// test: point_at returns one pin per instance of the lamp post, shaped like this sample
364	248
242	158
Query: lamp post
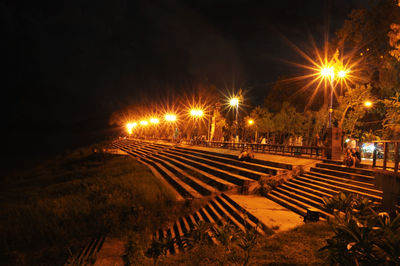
234	102
154	121
196	114
170	118
251	122
130	126
328	72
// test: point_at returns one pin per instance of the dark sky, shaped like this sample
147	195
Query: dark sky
70	63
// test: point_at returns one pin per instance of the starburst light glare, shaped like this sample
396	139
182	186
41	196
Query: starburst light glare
234	101
170	117
144	123
342	73
130	126
196	112
327	72
154	120
367	103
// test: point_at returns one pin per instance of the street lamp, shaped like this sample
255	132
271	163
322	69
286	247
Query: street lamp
154	120
251	122
196	114
328	72
234	102
144	122
170	117
367	104
130	126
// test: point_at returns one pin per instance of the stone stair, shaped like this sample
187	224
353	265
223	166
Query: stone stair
196	173
218	211
324	180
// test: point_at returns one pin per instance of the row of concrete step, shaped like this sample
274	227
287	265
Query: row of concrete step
195	173
218	211
324	180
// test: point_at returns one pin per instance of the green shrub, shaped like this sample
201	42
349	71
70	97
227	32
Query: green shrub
361	235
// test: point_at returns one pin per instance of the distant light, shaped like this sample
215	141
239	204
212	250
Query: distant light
347	140
144	123
170	117
367	103
342	73
250	122
327	72
154	120
130	126
196	112
368	147
234	101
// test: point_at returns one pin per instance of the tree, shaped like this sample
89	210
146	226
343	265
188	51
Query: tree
365	33
263	120
288	121
351	107
391	123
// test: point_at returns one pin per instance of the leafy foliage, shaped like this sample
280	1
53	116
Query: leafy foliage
361	235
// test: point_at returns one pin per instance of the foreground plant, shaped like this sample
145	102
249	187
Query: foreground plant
362	236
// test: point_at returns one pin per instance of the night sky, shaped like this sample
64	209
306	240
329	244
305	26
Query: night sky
70	63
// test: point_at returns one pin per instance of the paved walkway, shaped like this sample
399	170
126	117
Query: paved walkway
294	161
270	213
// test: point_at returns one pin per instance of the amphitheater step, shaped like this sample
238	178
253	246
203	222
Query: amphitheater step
277	165
354	176
217	212
233	161
342	168
341	186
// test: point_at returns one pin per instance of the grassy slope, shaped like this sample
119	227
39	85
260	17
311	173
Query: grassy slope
54	209
295	247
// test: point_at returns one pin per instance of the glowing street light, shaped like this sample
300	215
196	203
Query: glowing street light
154	120
342	74
367	104
328	72
196	113
234	102
144	122
250	122
170	117
130	126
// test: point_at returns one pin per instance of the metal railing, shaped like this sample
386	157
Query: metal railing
387	153
296	151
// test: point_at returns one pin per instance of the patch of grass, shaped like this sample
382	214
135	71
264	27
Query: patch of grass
298	246
53	210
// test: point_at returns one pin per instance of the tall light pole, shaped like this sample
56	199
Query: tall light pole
130	126
196	114
234	102
251	122
328	73
170	118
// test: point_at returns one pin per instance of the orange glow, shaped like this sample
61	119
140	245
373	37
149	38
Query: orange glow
144	123
250	122
170	117
154	120
234	102
130	126
367	103
342	73
327	72
196	112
